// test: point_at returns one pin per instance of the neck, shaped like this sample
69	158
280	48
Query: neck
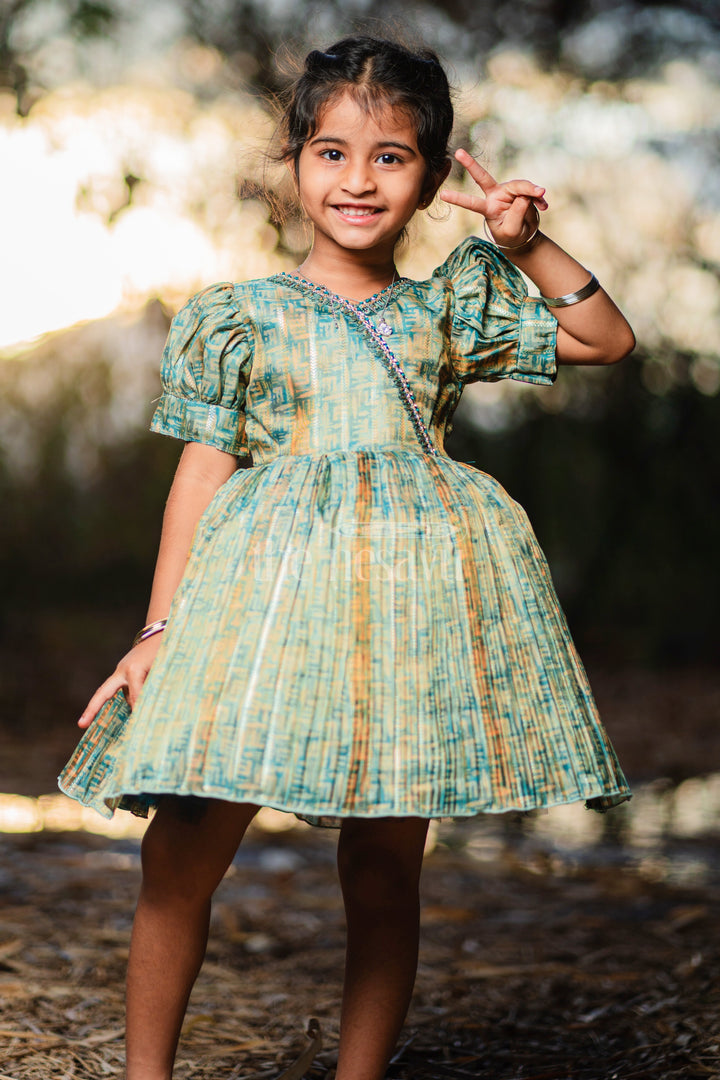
356	277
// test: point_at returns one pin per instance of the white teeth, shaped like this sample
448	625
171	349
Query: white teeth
356	211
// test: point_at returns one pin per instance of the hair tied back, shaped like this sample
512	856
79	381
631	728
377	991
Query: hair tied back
317	59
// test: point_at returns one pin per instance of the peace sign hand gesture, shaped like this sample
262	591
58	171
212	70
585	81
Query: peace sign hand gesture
505	207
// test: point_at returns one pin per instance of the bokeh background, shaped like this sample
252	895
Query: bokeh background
131	141
132	173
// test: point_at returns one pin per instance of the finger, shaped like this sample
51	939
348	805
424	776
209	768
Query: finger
517	216
108	689
519	224
525	188
462	198
480	175
134	687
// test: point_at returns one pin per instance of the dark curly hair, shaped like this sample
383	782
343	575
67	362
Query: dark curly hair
378	73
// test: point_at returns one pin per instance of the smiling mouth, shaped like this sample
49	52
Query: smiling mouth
357	213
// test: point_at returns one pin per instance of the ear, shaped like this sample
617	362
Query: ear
434	183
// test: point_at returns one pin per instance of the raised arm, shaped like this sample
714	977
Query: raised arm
593	331
201	471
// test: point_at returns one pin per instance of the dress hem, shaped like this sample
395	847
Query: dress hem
141	803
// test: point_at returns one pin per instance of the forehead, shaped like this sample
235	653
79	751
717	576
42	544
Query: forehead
349	115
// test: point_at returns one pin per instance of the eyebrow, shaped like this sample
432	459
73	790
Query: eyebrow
378	145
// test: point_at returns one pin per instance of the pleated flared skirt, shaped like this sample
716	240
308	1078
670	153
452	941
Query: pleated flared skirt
361	633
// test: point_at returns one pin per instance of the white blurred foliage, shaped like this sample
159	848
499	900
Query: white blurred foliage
69	230
625	196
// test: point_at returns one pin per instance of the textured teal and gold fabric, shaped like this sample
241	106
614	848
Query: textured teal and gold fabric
365	627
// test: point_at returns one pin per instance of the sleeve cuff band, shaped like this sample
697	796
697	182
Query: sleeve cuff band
197	421
536	360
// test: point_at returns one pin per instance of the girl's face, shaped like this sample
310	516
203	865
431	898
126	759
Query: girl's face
361	177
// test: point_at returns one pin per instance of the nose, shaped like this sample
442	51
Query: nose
357	179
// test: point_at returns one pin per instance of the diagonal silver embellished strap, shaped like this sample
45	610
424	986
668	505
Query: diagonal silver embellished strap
389	361
395	370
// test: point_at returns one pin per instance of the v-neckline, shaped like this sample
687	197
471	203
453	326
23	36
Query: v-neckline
322	291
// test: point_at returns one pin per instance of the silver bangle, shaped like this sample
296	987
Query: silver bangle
573	297
149	630
513	247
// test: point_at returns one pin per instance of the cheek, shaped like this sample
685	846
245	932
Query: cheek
309	181
413	193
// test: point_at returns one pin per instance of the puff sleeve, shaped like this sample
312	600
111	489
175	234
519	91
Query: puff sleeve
205	370
498	331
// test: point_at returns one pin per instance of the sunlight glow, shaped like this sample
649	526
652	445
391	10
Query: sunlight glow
109	197
58	813
692	809
80	242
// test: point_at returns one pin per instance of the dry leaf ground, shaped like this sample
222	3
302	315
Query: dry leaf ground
536	964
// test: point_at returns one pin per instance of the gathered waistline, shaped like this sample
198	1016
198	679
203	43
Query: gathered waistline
360	451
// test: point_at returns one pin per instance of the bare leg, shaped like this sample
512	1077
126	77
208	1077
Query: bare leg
186	850
379	863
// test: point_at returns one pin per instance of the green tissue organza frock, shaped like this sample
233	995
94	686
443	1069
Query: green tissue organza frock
365	627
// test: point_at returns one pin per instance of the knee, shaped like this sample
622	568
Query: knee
377	879
164	878
171	870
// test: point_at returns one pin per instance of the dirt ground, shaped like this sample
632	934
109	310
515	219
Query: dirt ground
536	964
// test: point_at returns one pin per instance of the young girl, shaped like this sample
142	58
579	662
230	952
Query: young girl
358	627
